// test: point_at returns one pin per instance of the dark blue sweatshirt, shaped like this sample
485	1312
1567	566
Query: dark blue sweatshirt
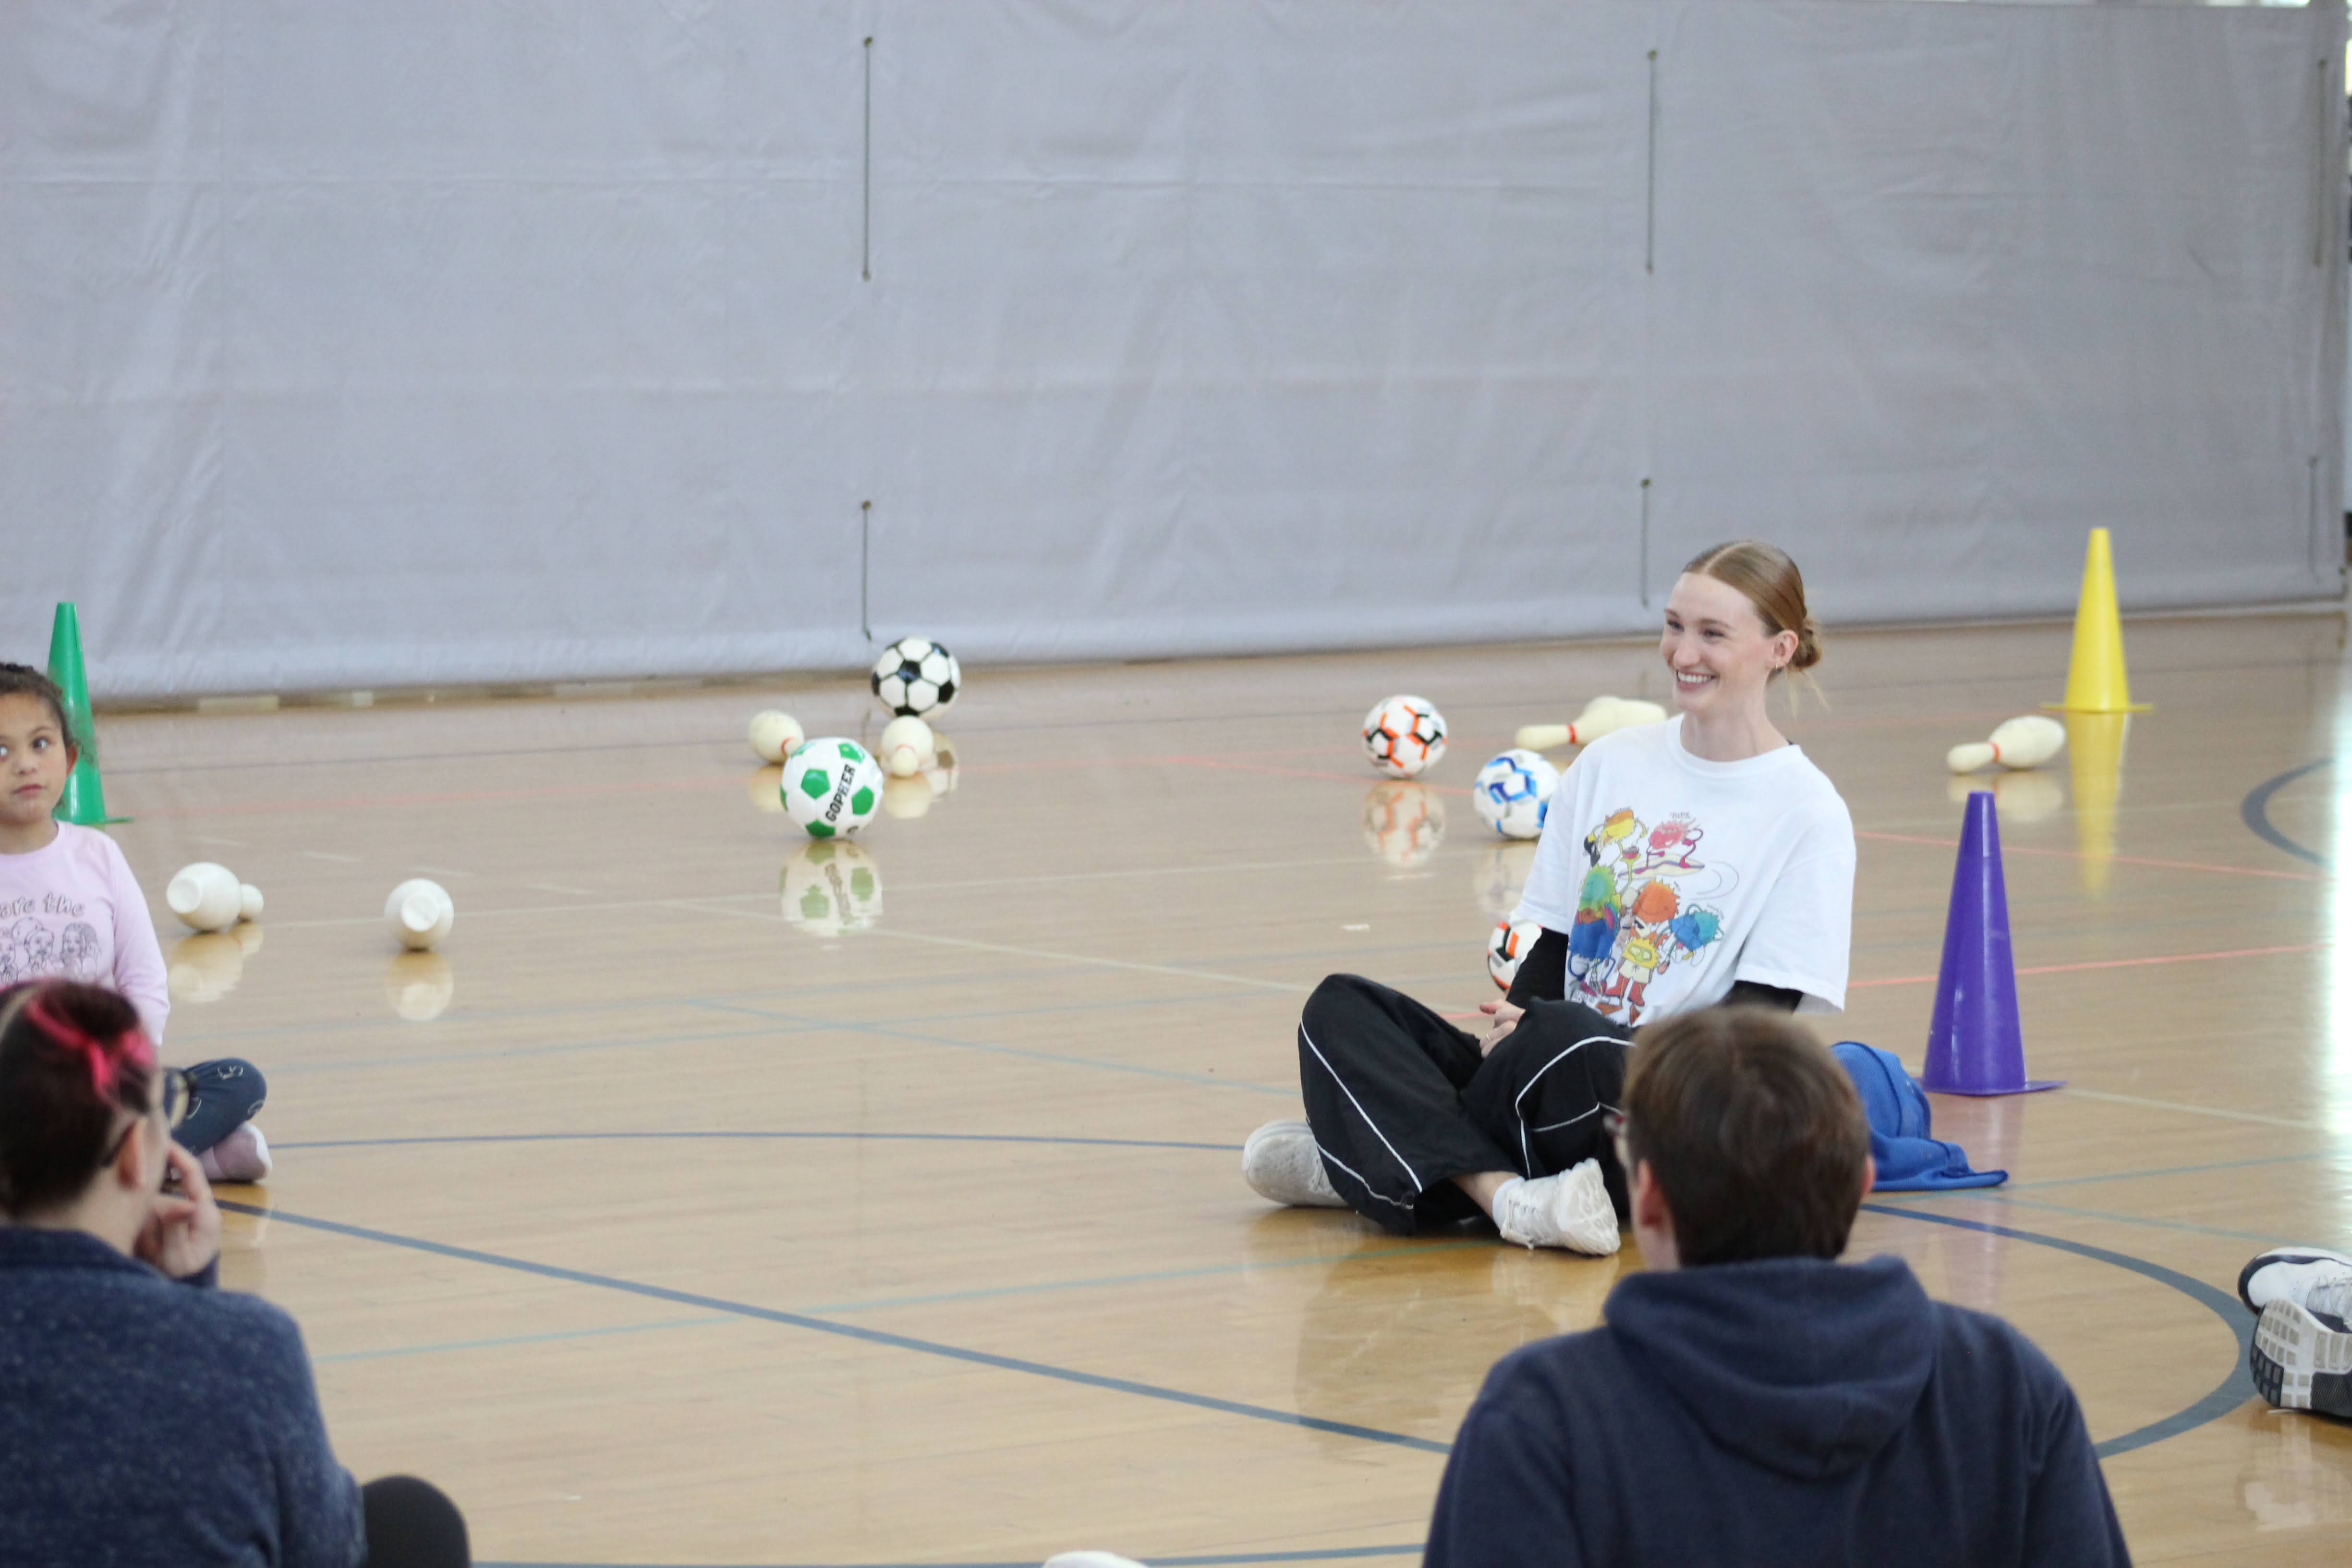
148	1422
1785	1412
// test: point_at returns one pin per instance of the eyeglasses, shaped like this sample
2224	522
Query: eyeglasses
174	1097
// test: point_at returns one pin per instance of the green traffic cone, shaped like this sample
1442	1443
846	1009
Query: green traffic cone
84	801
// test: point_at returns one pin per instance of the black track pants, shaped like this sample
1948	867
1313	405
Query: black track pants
1400	1100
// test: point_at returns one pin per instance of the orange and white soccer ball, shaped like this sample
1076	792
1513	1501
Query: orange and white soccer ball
1508	946
1404	736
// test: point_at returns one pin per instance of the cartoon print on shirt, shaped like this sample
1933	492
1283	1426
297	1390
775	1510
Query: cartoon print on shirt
78	956
29	951
1632	925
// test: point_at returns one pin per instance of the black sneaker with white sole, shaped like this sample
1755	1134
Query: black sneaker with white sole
2301	1360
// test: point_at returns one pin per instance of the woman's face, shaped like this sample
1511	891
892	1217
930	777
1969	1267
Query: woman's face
1716	646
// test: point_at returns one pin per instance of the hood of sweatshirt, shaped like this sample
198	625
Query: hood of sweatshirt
1808	1368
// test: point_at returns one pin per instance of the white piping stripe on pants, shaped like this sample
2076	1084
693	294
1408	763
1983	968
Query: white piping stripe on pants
1527	1155
1369	1191
1417	1183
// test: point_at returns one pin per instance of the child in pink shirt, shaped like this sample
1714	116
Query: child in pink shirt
69	907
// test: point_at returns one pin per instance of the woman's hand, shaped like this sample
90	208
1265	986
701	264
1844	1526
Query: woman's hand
1506	1018
183	1230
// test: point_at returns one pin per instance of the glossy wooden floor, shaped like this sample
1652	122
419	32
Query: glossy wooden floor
667	1218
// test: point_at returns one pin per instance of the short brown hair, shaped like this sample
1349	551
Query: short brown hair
1753	1130
1773	584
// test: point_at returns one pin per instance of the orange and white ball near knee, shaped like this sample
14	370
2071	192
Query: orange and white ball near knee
1404	736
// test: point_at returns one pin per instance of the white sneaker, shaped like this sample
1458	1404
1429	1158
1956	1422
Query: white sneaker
1282	1166
1570	1210
242	1156
2289	1274
2301	1360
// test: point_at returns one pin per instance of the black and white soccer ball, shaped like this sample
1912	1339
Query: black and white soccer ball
916	677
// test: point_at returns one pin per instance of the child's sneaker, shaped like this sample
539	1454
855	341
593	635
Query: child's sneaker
1570	1210
1282	1166
2302	1360
242	1156
2288	1273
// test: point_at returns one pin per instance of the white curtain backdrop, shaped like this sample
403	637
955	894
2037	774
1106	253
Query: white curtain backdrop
346	344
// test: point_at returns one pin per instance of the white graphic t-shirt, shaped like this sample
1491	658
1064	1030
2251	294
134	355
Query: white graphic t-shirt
73	911
1672	877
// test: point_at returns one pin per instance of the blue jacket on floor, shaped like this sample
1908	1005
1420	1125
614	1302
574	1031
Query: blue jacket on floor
146	1421
1909	1159
1782	1412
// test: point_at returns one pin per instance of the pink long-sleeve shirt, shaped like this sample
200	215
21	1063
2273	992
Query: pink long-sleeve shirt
74	910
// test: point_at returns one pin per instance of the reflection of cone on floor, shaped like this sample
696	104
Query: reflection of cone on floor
2095	745
84	802
2095	681
1974	1044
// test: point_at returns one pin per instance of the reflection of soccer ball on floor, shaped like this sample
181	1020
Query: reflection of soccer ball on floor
1403	823
1498	876
831	888
916	677
832	786
1514	791
1508	946
1404	736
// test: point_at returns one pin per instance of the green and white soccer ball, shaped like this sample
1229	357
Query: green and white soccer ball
832	888
832	786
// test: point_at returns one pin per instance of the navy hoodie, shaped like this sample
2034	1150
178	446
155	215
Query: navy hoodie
145	1421
1782	1412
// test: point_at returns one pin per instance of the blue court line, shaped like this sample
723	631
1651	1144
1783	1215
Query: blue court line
1057	1058
1213	1560
2176	1169
800	1024
2232	1391
626	1137
2186	1228
846	1330
2254	811
499	1053
444	1346
883	1303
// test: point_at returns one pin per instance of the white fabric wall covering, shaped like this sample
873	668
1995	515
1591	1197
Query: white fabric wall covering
472	340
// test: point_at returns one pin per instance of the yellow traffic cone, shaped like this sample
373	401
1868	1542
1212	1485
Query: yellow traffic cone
2095	682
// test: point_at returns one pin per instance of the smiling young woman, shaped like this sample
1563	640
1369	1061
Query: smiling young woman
1683	865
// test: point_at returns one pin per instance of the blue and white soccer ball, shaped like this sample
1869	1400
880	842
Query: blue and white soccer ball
1513	792
916	679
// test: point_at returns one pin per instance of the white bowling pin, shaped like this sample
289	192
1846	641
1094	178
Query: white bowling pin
774	735
1601	716
205	896
907	747
420	913
248	901
2026	742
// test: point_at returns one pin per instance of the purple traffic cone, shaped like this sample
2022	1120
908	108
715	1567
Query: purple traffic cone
1974	1043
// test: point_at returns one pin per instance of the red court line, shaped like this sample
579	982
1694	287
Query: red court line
2111	964
440	797
2119	860
1226	764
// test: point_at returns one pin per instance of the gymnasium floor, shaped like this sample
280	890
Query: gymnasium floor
661	1228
